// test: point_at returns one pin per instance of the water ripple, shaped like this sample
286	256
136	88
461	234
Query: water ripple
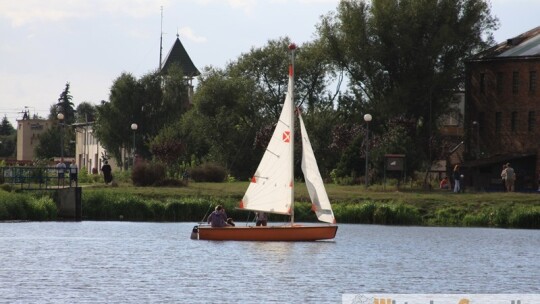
123	262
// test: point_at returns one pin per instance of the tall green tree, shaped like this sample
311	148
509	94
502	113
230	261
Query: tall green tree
65	106
85	112
406	58
6	128
152	102
236	109
50	144
59	140
223	123
8	138
115	117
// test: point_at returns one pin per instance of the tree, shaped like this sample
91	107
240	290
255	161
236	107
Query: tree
8	138
6	128
86	112
268	66
223	122
152	102
60	136
115	117
167	147
65	106
236	109
49	144
405	58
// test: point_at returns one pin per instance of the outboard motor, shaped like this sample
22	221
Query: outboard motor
195	233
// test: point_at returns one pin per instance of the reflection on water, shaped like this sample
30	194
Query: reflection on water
122	262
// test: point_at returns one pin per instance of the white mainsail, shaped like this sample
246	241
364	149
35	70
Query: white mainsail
314	183
271	187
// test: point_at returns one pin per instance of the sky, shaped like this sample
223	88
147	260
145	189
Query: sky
89	43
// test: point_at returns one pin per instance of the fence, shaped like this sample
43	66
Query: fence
39	178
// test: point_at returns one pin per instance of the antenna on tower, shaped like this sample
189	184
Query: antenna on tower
161	40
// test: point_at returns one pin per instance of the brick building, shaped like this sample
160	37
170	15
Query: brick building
502	104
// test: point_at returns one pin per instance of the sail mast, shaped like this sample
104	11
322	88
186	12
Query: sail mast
292	48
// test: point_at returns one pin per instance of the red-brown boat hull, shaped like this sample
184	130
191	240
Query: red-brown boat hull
269	233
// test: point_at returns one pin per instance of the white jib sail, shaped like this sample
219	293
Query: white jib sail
314	182
270	187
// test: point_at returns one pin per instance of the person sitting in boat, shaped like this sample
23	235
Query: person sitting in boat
262	219
218	218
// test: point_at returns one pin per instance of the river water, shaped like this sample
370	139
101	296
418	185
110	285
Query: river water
127	262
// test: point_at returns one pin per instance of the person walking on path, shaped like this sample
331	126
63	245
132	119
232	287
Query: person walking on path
457	179
510	178
503	176
107	173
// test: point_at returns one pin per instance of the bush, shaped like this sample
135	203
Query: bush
41	209
208	172
16	206
476	220
148	174
525	217
170	182
85	178
104	205
6	187
13	206
355	213
450	216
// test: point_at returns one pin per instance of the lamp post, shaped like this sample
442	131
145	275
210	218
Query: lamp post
134	127
367	119
476	127
60	117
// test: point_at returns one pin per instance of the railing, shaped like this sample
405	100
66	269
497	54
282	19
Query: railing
39	178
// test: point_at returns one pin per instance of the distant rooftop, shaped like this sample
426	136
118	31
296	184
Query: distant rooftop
524	45
178	55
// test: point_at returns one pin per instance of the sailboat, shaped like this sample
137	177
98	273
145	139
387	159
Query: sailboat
271	189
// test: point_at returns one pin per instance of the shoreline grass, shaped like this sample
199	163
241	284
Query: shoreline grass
351	204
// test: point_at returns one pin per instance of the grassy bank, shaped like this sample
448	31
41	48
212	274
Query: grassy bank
351	204
24	206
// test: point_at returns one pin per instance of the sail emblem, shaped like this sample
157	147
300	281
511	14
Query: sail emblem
287	136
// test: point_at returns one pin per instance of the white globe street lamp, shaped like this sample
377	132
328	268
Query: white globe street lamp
134	127
367	119
60	117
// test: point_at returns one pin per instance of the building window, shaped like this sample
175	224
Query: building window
531	122
532	82
515	82
500	80
498	121
513	122
482	83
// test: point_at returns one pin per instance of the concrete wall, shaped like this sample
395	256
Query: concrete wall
69	203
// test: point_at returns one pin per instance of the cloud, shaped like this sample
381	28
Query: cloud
246	5
187	32
24	12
